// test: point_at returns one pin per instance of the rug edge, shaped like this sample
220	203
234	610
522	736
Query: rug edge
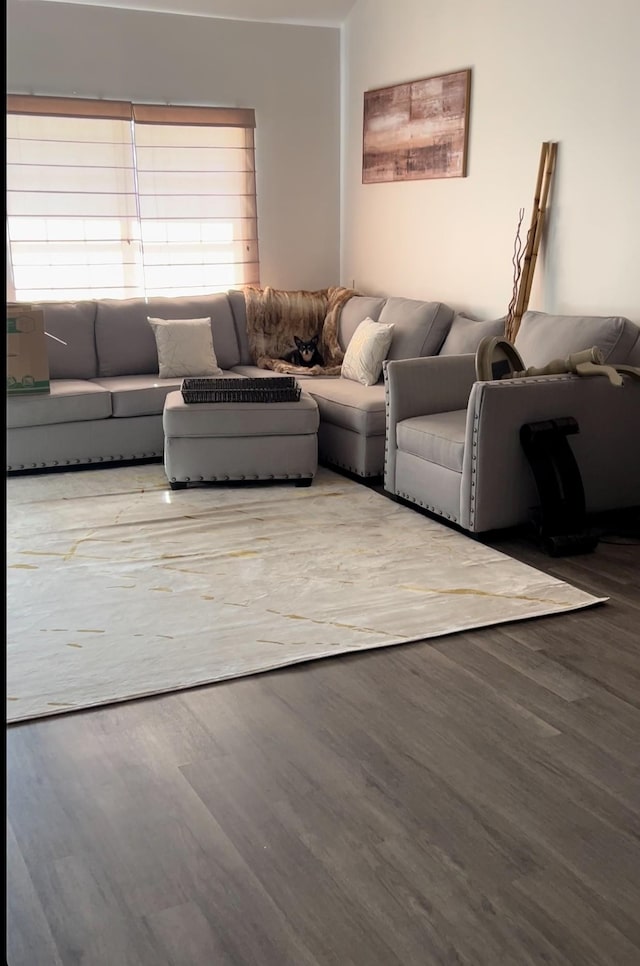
436	635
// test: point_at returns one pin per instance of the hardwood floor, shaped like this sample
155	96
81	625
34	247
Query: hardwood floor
472	801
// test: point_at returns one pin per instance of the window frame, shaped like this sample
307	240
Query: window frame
186	118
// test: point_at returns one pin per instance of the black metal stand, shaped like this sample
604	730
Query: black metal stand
560	521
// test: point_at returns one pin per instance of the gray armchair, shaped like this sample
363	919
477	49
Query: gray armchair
453	443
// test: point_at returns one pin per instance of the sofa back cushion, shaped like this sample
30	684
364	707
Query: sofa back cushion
543	337
465	335
633	358
355	311
420	328
74	357
125	342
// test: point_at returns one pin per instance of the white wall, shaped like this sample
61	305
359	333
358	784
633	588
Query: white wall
289	74
563	70
559	70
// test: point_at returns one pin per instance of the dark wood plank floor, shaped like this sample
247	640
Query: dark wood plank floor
474	801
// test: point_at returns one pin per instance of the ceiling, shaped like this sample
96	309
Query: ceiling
326	13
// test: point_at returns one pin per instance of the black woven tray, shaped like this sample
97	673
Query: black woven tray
219	389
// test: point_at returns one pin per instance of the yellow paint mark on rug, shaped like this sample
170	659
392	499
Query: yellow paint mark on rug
40	553
184	570
242	553
60	704
163	590
23	567
12	699
73	644
361	630
469	591
207	597
73	549
348	627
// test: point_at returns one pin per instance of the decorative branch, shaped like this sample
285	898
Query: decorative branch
516	261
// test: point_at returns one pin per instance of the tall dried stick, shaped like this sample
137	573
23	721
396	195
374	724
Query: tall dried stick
535	211
548	175
545	171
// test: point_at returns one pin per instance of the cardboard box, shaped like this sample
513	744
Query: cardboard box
27	359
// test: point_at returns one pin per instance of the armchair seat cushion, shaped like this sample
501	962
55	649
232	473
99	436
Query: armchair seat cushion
438	438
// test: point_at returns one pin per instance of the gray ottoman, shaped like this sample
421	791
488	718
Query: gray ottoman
217	442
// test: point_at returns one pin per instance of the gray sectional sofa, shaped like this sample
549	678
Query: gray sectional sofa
106	399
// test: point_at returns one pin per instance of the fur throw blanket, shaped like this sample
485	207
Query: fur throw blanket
274	317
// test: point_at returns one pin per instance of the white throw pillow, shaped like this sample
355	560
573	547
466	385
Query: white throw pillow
185	348
366	352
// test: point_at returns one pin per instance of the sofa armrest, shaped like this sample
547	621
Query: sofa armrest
416	387
498	488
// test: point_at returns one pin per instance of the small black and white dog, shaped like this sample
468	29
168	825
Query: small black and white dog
306	353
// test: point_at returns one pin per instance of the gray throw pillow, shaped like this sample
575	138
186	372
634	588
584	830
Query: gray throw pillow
465	335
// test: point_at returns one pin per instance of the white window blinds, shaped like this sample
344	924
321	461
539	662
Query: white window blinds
113	200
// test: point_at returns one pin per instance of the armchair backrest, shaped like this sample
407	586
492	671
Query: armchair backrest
542	337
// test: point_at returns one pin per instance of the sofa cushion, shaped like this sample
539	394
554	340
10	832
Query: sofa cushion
353	312
420	327
543	337
137	395
438	438
69	401
349	405
185	348
125	343
465	335
366	352
140	395
341	402
74	324
255	372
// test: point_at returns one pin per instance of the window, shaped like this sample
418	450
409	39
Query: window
107	199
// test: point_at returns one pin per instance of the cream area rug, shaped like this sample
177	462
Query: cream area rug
118	587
